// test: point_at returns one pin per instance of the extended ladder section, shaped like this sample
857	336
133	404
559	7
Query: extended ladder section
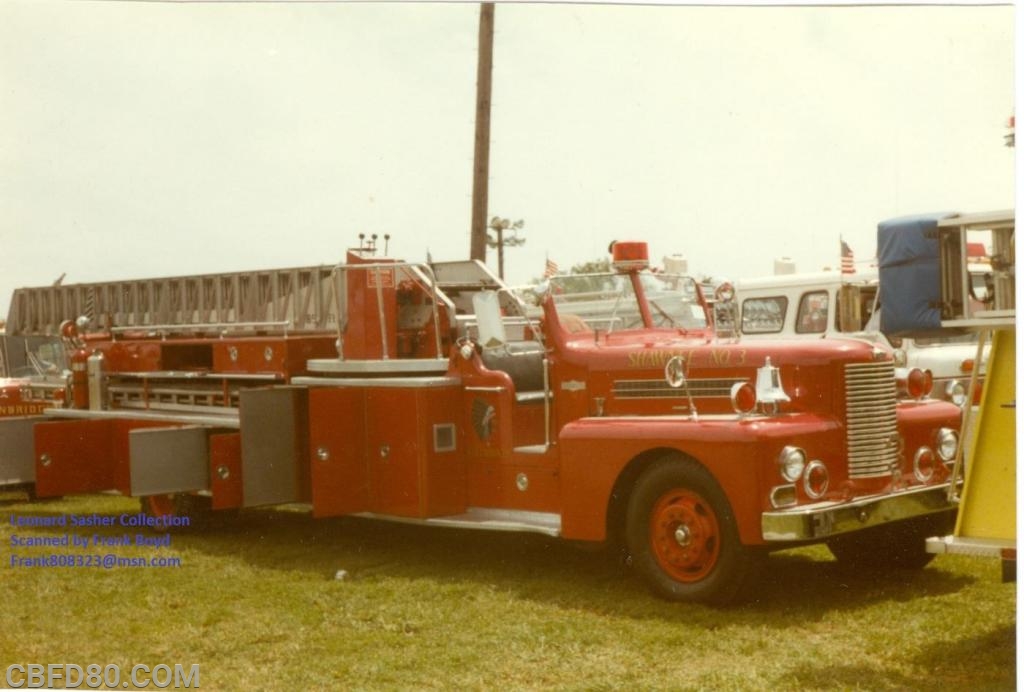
978	272
295	299
977	290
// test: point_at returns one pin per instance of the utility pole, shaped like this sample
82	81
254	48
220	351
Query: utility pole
482	144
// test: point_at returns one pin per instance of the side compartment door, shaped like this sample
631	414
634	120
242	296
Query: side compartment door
337	451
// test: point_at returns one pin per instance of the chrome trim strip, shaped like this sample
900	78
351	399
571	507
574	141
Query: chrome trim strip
158	407
211	377
226	421
660	389
154	328
546	523
825	519
675	417
392	365
377	382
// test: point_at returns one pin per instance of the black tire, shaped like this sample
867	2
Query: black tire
198	509
33	496
682	535
899	545
1009	570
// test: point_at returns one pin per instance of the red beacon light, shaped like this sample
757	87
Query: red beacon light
629	256
743	398
917	383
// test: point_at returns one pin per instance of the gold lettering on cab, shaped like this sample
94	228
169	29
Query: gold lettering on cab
711	357
725	357
655	358
22	410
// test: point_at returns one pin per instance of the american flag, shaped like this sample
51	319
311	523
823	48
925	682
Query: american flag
550	268
847	255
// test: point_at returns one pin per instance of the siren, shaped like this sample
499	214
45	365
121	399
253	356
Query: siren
628	256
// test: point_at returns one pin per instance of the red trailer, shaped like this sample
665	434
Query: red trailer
598	408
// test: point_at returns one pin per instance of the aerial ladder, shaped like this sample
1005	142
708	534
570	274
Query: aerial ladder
981	298
292	299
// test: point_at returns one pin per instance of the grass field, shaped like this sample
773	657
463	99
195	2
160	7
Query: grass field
256	604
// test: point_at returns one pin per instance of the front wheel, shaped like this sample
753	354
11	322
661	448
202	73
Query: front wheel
682	535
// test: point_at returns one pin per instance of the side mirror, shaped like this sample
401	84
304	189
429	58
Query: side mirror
725	292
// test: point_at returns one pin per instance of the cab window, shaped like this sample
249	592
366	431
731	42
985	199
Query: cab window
812	316
763	315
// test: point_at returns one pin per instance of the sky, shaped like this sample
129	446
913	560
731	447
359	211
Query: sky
145	139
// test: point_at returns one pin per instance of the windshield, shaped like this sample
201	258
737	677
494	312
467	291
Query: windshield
607	302
23	356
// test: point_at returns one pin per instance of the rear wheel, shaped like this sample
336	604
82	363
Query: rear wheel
197	508
682	535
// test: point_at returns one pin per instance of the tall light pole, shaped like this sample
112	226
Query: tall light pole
499	226
482	142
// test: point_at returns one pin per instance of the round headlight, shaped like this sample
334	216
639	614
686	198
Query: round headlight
791	463
956	393
816	480
945	443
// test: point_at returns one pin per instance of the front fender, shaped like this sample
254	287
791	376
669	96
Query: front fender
739	453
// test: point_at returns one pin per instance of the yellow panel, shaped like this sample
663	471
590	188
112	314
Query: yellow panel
988	508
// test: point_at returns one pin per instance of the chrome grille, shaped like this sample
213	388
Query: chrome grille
660	389
872	436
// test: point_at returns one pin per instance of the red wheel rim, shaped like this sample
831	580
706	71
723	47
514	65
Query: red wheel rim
159	505
685	537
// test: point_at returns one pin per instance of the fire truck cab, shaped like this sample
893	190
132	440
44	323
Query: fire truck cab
594	408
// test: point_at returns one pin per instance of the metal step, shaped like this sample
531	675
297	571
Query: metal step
975	547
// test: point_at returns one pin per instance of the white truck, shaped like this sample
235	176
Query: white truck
835	304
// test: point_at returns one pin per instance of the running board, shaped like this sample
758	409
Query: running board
549	524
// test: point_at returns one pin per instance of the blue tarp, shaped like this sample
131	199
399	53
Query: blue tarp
909	275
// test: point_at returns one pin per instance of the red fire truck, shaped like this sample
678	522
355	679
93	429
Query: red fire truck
597	408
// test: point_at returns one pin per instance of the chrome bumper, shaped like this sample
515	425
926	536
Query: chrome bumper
818	521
